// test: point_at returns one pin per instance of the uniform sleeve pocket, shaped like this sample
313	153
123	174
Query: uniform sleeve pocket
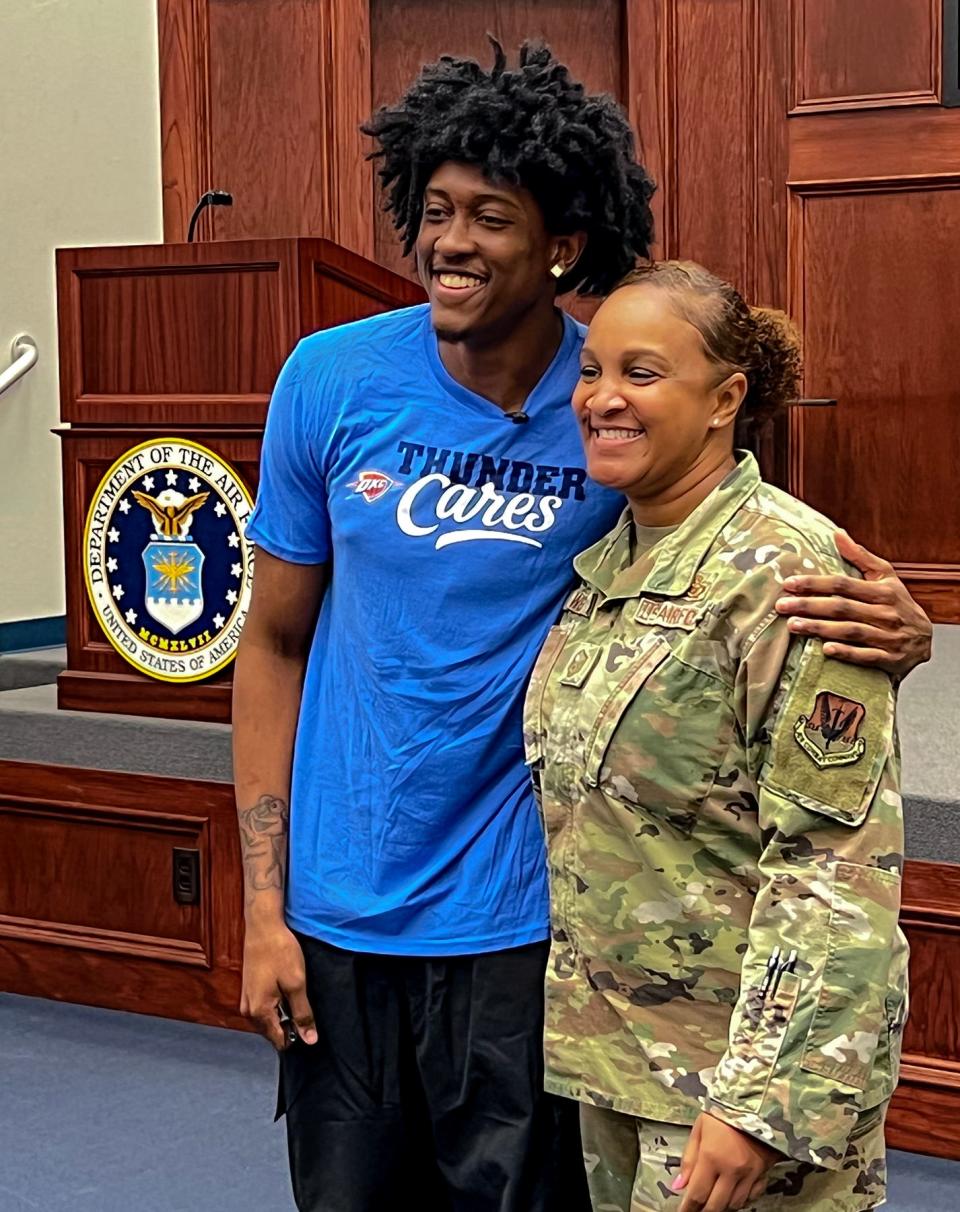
831	740
758	1033
850	1019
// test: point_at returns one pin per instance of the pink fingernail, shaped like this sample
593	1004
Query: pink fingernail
678	1183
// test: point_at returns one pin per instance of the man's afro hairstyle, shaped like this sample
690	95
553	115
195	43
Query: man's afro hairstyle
533	127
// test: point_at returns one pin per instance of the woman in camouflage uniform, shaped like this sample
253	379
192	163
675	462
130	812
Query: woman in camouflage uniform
727	986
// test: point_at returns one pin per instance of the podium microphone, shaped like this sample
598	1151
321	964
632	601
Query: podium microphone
213	197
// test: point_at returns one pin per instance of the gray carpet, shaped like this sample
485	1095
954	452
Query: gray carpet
108	1112
35	667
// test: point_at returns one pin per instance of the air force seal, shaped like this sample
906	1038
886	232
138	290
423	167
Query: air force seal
167	566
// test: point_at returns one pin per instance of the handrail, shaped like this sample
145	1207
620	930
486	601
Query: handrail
24	354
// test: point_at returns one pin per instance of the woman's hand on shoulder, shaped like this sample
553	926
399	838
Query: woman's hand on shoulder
722	1168
873	622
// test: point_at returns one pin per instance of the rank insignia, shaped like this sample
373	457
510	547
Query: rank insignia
830	736
580	666
699	588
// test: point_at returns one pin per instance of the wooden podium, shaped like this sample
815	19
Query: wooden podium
181	340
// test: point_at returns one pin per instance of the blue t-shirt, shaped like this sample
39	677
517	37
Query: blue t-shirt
450	530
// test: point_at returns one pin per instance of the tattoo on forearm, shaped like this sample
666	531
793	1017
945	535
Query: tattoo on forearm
263	841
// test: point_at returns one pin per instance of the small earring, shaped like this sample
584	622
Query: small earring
558	270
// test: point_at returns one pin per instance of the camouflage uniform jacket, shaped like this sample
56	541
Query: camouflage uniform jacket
714	788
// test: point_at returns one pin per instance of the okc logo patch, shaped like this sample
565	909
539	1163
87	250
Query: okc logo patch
371	485
167	567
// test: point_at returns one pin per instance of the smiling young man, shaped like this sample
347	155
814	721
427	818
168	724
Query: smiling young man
422	496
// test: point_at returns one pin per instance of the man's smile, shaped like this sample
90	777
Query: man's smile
455	285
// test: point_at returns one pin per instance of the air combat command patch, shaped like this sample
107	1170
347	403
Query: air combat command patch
830	735
167	568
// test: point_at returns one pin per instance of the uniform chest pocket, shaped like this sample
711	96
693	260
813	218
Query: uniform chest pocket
533	715
656	736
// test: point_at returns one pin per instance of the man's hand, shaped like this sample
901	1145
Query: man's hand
273	968
871	622
722	1168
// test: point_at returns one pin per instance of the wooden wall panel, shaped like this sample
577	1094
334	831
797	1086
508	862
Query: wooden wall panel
711	182
129	326
647	25
874	216
719	154
266	117
851	55
86	905
346	84
878	317
100	878
184	115
926	1108
95	922
264	99
588	35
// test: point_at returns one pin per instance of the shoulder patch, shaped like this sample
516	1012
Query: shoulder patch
832	736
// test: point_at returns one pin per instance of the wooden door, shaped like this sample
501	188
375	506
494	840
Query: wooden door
803	149
874	255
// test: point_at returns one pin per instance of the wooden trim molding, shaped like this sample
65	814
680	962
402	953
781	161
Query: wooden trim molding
112	942
898	144
839	186
928	94
646	24
936	587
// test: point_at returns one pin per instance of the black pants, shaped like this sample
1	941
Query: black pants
425	1088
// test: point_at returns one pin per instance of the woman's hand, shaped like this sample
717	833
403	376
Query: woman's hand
722	1168
870	622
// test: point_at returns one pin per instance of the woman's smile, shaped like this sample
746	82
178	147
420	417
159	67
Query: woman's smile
614	435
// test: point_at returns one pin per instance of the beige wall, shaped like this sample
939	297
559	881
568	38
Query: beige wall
79	165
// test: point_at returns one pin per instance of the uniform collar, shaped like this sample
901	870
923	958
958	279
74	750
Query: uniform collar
670	566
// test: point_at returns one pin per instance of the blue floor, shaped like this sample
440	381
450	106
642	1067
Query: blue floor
109	1112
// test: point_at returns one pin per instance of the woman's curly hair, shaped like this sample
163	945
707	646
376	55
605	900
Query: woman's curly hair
533	127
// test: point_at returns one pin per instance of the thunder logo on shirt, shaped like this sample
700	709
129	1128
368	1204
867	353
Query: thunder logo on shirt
480	496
